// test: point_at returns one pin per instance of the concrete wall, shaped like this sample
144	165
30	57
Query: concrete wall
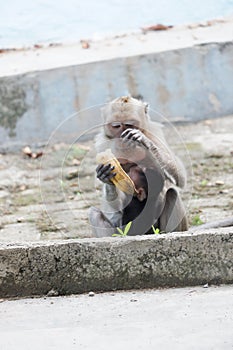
77	266
184	84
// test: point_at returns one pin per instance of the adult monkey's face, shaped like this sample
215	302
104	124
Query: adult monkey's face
124	113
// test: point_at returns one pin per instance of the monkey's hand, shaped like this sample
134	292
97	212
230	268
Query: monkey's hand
104	173
135	137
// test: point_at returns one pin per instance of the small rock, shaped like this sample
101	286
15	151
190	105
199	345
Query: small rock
91	294
52	293
27	150
133	300
206	285
219	182
75	162
20	219
72	175
223	191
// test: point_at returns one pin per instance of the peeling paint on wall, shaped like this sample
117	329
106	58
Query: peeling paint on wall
12	106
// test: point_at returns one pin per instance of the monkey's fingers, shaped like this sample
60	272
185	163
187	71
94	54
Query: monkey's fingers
119	178
104	173
107	178
127	133
129	137
103	167
133	137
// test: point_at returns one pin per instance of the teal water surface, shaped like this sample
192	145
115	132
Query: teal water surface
27	22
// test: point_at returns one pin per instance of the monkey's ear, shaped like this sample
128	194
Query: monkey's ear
141	194
146	107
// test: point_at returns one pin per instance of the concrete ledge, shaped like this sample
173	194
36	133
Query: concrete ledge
77	266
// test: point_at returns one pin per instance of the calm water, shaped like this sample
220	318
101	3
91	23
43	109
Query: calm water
26	22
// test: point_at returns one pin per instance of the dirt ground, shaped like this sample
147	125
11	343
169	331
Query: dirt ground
48	197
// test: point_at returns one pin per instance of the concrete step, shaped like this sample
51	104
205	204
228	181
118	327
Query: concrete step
81	265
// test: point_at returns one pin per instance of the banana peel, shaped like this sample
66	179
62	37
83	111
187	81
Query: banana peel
121	180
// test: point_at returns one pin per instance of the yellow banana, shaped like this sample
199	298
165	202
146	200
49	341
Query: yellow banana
121	180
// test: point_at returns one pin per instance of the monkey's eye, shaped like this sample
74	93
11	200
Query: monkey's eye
131	124
115	125
128	125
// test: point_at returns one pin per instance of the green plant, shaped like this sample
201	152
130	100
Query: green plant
197	220
123	233
204	183
155	230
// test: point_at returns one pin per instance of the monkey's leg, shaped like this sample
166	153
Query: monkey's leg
173	217
101	226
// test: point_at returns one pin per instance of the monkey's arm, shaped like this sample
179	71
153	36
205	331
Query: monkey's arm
104	173
159	155
114	200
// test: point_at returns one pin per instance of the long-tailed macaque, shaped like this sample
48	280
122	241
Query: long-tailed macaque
139	145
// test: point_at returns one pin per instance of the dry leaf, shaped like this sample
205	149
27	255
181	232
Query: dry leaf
156	27
28	152
85	44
